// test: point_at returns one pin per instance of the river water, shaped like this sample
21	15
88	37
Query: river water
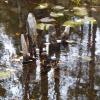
70	73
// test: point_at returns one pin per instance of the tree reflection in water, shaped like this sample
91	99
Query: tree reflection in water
29	75
64	77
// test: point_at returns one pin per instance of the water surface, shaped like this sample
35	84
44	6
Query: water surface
70	73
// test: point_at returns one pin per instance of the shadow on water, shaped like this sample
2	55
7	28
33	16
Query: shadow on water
63	72
28	77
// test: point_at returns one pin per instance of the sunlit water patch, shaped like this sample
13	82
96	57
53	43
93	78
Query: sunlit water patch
8	49
72	70
51	91
10	66
75	61
97	52
38	69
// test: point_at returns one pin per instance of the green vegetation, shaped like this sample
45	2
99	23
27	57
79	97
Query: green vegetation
4	74
73	23
47	20
92	20
80	11
58	8
58	14
42	6
42	26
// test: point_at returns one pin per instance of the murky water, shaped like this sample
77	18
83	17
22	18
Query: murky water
69	73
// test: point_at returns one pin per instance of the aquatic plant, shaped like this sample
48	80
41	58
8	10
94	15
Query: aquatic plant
42	26
4	74
58	8
56	14
73	23
47	20
80	11
42	6
91	20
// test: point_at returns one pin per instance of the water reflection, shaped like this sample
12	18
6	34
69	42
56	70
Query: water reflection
92	91
44	85
57	82
60	72
29	75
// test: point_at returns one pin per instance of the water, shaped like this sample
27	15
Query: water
24	46
63	80
97	52
67	73
32	23
8	49
31	27
8	64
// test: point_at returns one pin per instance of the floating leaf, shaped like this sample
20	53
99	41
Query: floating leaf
42	26
79	22
58	8
93	9
66	12
4	74
58	14
91	20
80	11
73	23
83	58
42	6
47	20
69	23
86	58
